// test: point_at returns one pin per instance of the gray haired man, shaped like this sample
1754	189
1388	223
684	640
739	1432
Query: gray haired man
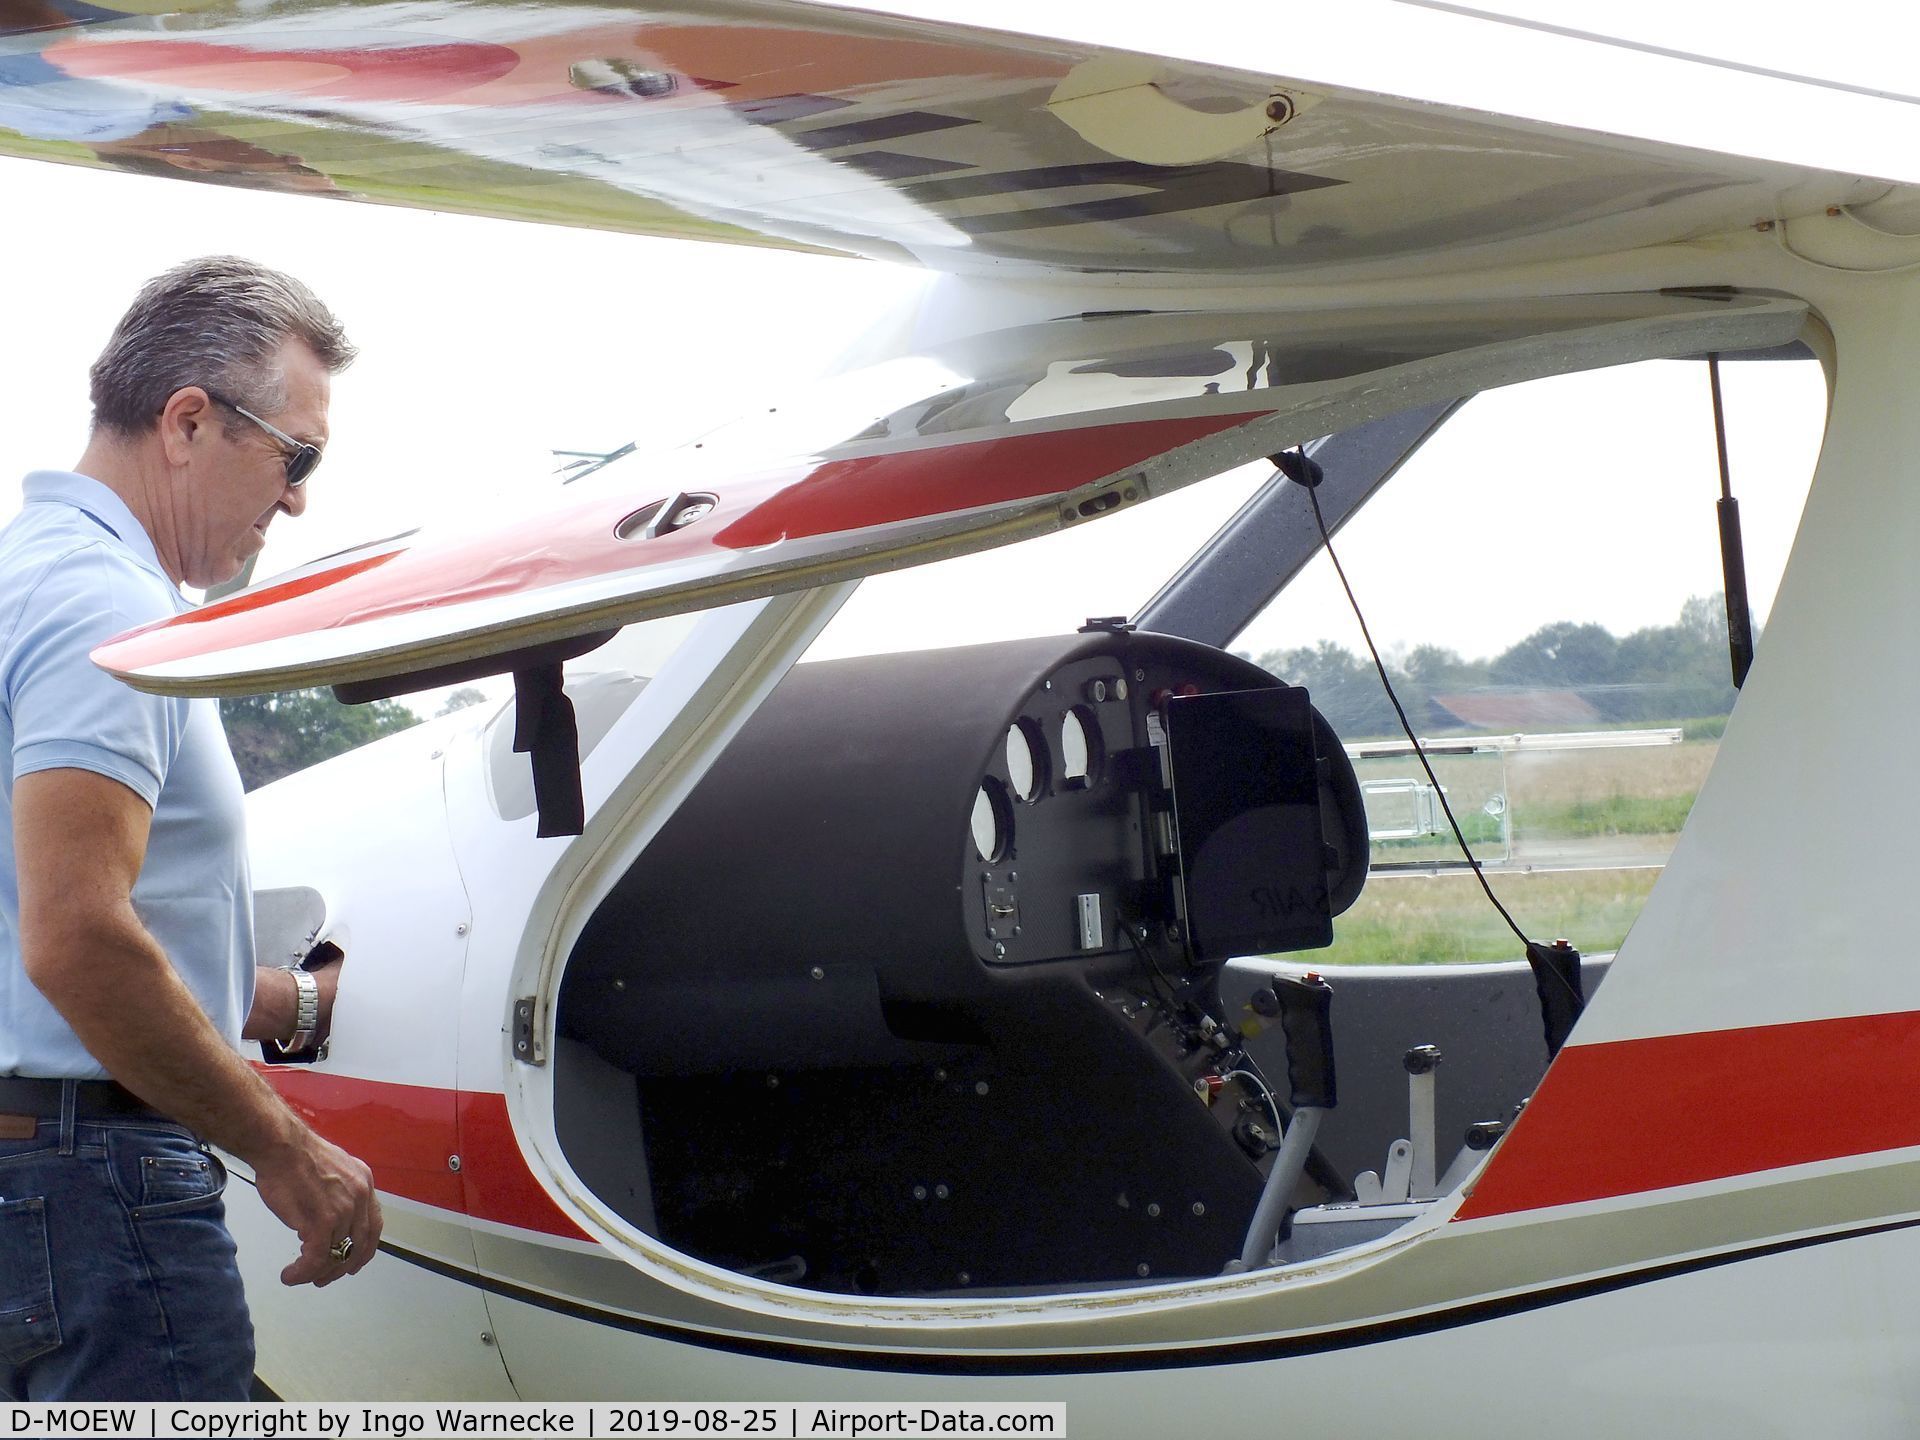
127	973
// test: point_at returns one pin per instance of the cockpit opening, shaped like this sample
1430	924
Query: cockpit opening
846	1026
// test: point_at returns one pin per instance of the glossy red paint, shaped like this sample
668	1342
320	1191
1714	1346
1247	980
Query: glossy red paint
420	73
404	1132
843	495
708	64
1629	1116
408	1134
499	1186
578	542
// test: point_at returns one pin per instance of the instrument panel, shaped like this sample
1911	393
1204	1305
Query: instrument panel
925	915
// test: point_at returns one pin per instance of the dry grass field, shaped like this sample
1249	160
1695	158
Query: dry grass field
1564	777
1445	919
1589	829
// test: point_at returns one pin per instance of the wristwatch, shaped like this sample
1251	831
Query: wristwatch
306	1014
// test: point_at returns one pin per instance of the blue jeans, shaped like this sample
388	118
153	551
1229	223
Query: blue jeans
117	1275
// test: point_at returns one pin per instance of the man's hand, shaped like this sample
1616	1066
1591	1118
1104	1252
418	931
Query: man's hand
323	1195
79	839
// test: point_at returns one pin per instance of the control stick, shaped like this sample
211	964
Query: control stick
1306	1019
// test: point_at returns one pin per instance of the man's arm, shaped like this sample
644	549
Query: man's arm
79	842
276	1001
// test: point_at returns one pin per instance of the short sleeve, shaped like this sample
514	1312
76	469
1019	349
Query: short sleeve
68	713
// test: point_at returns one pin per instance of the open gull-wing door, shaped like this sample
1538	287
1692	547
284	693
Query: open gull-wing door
1003	436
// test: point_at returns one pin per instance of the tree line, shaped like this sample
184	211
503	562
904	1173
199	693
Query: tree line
1663	674
275	735
1660	675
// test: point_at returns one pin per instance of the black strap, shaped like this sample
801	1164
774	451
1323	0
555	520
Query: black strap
544	727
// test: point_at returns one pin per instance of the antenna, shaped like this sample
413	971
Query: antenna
577	464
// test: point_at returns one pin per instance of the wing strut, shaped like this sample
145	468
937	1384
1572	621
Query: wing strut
1236	573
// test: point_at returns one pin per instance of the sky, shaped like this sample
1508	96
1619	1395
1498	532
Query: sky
488	344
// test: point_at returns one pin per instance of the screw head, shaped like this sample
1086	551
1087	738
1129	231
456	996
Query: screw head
453	1163
818	973
1153	1209
1143	1270
940	1192
963	1278
979	1087
919	1192
486	1338
461	928
1199	1208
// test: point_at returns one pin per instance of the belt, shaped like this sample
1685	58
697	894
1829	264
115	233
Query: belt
92	1099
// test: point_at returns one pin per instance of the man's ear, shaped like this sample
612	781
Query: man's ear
183	421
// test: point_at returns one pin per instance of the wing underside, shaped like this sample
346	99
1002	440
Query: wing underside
788	124
1003	436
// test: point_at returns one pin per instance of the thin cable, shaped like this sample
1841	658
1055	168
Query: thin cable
1419	751
1165	983
1273	1106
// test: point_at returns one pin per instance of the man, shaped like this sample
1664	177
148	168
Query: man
126	944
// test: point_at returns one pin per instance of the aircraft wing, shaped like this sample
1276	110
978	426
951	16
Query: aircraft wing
797	125
1002	436
1052	164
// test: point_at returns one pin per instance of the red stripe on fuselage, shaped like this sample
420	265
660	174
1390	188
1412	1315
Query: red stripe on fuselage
409	1136
1627	1116
1615	1118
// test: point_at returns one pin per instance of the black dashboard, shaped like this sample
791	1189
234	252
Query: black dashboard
929	913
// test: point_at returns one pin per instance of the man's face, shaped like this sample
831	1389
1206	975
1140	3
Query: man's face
234	475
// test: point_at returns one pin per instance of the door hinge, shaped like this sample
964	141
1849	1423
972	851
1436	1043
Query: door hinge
525	1048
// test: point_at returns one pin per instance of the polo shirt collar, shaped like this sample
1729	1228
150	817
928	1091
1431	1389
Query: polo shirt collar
97	502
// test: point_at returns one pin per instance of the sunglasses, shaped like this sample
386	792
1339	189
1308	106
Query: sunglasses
300	457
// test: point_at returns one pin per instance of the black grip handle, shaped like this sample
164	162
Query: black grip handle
1306	1019
1556	979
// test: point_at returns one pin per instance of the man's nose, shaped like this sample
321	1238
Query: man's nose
293	500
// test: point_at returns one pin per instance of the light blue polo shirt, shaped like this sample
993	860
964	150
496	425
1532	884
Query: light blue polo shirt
76	569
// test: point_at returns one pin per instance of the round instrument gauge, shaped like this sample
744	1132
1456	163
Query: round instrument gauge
1080	752
1026	760
992	821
